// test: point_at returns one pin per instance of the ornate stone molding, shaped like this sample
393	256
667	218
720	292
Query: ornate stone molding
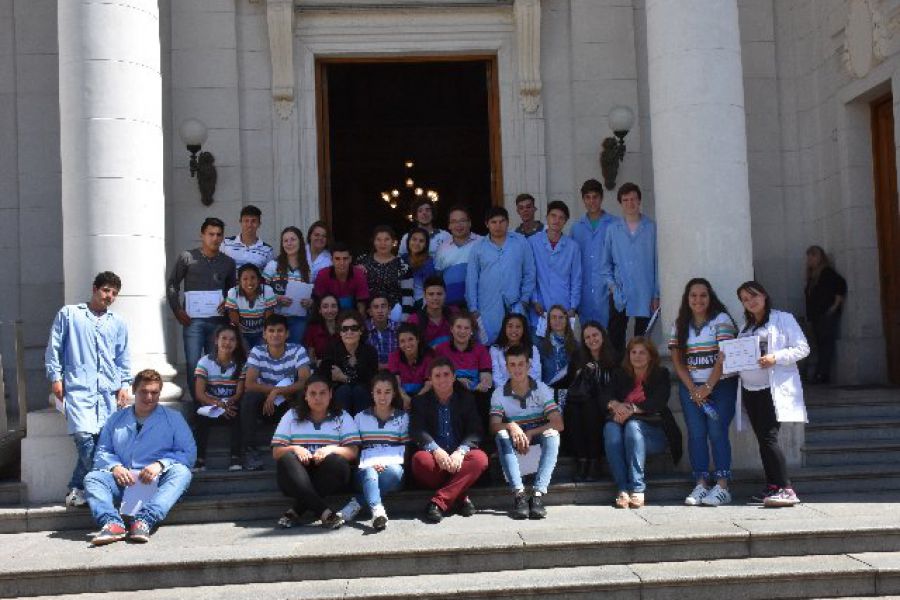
280	19
528	38
868	35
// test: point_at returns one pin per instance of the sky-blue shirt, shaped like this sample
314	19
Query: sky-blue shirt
499	278
164	436
89	354
594	293
558	272
630	266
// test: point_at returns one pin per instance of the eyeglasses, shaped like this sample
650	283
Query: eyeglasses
349	328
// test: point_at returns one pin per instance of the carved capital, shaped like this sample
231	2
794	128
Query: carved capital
528	38
280	19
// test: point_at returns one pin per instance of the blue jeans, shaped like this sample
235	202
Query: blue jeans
352	397
705	432
549	444
104	494
198	341
85	444
373	484
296	329
252	340
627	447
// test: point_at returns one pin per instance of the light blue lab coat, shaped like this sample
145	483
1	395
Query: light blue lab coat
594	292
630	266
165	437
558	272
89	354
499	279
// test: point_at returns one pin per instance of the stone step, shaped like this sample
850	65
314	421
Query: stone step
255	553
854	575
11	493
848	429
868	451
837	403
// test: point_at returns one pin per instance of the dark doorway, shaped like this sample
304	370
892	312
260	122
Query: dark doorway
887	217
377	117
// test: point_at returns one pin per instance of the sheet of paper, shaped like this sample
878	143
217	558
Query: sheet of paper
528	462
558	377
540	330
199	305
279	400
741	354
296	291
382	455
653	319
137	495
59	404
213	412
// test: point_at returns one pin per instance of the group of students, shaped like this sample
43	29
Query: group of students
505	333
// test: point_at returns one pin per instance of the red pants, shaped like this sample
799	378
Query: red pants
450	486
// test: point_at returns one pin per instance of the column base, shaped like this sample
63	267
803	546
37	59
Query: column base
48	457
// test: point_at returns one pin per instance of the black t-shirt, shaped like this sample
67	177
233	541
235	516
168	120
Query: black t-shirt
820	295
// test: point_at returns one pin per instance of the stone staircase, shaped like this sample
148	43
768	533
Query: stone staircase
220	542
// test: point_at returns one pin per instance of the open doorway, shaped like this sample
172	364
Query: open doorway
393	130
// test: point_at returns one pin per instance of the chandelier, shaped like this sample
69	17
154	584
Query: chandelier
409	193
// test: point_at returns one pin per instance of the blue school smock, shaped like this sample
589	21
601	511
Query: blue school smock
164	437
630	266
499	279
89	354
558	272
594	291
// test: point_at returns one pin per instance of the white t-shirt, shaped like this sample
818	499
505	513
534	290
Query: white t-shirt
703	346
338	430
756	379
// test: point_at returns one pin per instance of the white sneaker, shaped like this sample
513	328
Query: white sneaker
379	518
716	497
696	496
350	510
75	498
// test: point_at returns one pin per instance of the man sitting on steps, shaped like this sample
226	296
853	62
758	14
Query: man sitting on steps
144	442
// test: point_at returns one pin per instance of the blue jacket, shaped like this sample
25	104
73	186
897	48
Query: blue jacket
630	266
89	354
165	436
594	292
558	272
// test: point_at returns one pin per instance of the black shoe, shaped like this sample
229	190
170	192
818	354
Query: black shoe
536	508
433	514
520	507
580	470
465	508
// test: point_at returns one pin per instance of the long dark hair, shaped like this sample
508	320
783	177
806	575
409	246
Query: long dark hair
282	263
417	260
239	356
754	288
301	407
607	361
385	376
259	282
503	341
684	312
545	345
316	316
421	348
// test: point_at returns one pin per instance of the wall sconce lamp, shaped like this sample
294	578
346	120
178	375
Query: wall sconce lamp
193	133
621	120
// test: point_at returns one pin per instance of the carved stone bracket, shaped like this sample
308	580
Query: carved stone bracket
868	35
280	18
528	37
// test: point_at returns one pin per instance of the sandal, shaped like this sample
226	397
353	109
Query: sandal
636	500
288	519
622	500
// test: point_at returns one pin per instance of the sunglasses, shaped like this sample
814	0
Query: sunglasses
349	328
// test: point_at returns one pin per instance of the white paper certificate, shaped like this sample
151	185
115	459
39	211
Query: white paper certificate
296	291
382	455
528	462
202	304
741	354
137	495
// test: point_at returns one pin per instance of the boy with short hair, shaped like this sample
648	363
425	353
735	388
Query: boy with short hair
557	263
526	208
382	331
247	247
274	369
590	233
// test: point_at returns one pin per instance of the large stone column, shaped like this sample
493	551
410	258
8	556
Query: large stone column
110	97
699	138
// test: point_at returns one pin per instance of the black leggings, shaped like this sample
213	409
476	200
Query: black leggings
201	432
618	326
761	410
583	429
309	484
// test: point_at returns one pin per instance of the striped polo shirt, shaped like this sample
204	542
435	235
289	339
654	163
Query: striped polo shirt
337	430
259	253
221	382
279	282
250	317
374	433
272	370
703	345
527	412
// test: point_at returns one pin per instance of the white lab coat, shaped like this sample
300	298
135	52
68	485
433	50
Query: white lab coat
786	341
